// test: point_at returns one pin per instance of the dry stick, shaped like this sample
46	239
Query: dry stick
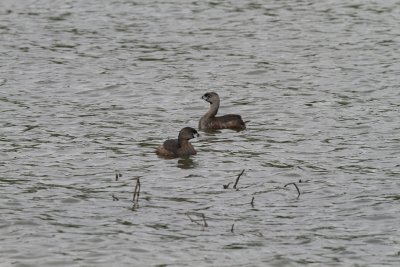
237	179
117	175
226	186
204	224
298	190
192	220
137	192
204	220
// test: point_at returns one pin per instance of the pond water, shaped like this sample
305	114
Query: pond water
89	89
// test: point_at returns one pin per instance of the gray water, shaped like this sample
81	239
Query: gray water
91	88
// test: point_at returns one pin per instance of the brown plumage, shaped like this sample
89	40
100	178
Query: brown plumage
180	147
210	122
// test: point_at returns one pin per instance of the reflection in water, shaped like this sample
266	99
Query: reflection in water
186	163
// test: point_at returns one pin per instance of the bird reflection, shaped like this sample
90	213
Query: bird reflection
186	163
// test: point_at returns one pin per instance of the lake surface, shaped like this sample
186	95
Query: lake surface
89	89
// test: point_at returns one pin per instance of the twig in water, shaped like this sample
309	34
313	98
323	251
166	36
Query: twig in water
136	193
117	175
204	220
114	198
204	224
237	179
298	190
232	228
226	186
252	202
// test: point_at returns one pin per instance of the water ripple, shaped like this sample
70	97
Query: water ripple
88	89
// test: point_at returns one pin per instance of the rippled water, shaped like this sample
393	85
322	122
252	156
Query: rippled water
88	88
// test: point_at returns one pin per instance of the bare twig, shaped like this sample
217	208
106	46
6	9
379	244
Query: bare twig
237	179
136	193
203	218
226	186
193	220
117	175
298	190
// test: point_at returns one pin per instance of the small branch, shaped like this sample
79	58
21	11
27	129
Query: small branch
237	179
192	220
203	219
298	190
136	193
226	186
117	175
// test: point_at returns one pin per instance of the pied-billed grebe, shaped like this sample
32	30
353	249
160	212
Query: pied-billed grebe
180	147
210	122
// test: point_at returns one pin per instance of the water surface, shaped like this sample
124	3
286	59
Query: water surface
88	88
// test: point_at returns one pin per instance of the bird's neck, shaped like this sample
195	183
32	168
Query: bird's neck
212	111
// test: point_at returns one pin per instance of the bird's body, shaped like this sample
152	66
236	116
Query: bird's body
173	148
210	121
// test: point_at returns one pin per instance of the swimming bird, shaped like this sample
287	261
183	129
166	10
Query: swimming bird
211	122
173	148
